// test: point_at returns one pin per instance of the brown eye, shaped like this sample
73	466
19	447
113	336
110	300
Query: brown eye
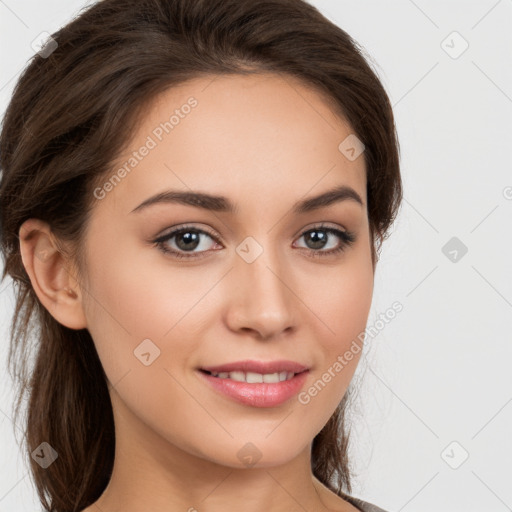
187	239
317	238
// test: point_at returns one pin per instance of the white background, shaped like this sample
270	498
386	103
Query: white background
440	371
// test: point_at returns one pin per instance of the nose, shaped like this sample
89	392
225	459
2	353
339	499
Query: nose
262	300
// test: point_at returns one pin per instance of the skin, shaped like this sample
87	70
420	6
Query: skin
264	142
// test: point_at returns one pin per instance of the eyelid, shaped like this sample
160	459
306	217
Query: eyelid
320	225
218	238
194	227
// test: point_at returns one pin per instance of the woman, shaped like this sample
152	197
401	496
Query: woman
193	198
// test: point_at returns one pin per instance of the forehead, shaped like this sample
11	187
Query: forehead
234	133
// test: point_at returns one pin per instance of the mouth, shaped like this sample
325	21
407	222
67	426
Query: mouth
257	383
253	377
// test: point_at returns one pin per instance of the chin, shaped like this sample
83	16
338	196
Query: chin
256	453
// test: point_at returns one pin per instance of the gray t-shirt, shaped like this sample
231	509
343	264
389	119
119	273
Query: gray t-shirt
364	506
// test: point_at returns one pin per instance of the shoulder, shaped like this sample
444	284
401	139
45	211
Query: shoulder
364	506
343	502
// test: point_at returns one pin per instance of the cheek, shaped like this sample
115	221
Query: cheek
143	331
342	300
136	296
339	304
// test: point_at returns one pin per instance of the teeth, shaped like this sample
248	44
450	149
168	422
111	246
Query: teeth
270	377
252	377
238	376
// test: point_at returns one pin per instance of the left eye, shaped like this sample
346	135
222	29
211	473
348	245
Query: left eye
189	238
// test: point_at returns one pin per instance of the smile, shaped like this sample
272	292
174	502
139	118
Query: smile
256	383
253	377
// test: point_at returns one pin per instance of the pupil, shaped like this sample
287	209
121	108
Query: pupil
320	239
189	238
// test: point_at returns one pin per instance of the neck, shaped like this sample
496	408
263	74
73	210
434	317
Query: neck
151	473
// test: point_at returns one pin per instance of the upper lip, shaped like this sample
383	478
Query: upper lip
258	367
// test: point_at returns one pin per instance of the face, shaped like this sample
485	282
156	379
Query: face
262	281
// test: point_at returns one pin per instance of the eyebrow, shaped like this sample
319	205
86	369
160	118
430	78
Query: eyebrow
223	204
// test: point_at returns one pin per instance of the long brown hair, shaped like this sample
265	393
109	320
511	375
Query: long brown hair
72	111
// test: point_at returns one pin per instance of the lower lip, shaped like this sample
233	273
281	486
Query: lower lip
261	394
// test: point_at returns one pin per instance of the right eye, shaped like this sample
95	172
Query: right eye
187	239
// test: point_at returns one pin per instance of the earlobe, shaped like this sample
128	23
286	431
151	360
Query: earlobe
48	270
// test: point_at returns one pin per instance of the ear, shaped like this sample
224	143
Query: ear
50	274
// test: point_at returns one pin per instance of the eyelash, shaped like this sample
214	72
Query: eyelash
347	239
